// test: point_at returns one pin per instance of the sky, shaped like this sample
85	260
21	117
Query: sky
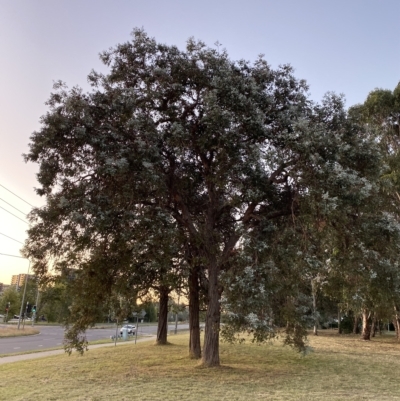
348	47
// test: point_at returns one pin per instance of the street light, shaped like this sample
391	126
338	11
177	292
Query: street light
137	324
23	296
35	306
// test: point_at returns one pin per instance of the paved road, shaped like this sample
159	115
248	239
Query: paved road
52	336
28	357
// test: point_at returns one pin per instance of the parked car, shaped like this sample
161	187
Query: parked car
131	329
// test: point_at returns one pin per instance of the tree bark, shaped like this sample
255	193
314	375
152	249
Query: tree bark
194	318
366	324
396	322
162	327
314	295
213	316
356	329
373	326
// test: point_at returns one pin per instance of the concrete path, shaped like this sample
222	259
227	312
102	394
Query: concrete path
43	354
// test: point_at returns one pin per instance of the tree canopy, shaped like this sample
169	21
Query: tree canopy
189	160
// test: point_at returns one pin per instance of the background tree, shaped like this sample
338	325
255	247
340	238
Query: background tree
12	296
55	300
380	116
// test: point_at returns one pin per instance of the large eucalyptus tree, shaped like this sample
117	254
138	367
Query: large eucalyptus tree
216	147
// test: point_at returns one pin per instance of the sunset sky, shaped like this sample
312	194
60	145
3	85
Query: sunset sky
348	47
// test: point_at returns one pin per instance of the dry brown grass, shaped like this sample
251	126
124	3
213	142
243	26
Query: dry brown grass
14	332
340	368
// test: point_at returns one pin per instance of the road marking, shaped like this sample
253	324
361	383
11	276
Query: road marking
17	347
40	345
59	343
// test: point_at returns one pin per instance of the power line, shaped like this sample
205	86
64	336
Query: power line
13	256
12	238
9	204
14	215
16	195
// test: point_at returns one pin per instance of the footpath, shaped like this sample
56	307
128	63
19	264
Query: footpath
43	354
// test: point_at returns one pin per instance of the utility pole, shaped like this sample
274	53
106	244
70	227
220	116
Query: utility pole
27	309
35	307
23	296
116	334
137	327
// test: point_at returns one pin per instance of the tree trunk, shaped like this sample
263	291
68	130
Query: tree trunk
314	295
339	322
213	316
356	329
366	324
162	328
396	327
373	326
396	322
194	318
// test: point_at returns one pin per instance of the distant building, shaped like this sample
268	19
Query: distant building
18	280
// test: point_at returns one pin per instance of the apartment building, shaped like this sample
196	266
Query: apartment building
18	280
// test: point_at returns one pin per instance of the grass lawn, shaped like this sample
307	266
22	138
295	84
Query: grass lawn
120	340
340	368
14	332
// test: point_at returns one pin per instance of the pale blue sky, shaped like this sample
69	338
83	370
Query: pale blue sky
349	47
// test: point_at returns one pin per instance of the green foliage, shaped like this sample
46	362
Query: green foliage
14	297
347	324
181	160
151	311
55	301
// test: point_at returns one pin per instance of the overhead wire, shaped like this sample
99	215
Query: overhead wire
13	256
12	238
16	195
7	254
14	215
9	204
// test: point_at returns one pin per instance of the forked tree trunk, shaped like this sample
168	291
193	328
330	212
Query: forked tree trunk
213	316
162	327
366	324
194	318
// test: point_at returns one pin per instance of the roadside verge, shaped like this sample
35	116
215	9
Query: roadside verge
43	354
